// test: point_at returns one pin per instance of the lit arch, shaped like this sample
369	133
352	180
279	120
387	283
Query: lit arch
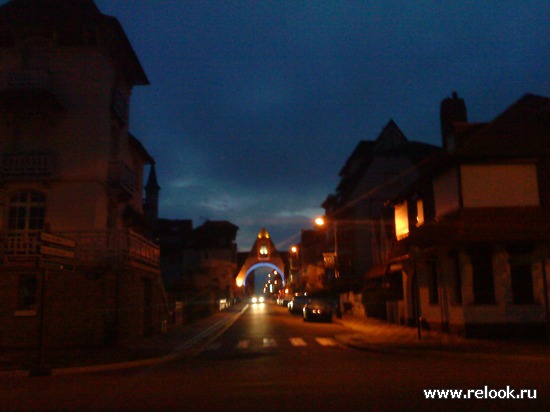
261	264
262	253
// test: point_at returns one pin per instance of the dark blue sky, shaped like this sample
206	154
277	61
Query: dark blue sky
254	106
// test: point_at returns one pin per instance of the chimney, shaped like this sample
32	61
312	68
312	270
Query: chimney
453	110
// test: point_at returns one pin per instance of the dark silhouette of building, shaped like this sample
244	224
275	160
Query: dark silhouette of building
471	239
71	181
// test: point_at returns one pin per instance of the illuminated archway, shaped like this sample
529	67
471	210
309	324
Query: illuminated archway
263	264
263	253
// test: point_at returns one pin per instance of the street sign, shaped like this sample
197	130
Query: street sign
57	252
57	240
54	251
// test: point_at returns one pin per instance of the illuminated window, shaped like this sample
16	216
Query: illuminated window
419	212
401	221
263	251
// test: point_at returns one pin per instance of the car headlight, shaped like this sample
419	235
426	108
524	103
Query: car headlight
261	299
254	299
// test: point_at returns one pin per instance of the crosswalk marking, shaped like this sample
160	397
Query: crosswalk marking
243	344
272	343
326	341
269	342
298	342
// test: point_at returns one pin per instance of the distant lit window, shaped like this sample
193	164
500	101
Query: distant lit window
419	212
263	251
401	221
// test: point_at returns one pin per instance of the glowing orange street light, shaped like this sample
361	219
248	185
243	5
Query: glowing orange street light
319	221
294	249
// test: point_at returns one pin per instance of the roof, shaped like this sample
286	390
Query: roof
522	130
48	11
135	143
391	142
19	15
361	152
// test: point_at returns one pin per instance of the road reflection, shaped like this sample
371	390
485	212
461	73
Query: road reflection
258	307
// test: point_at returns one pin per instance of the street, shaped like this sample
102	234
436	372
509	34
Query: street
272	360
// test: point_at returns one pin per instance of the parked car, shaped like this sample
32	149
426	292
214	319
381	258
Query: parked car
296	305
318	309
284	299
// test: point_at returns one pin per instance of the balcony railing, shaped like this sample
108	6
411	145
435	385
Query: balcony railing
122	178
23	166
93	247
30	86
28	79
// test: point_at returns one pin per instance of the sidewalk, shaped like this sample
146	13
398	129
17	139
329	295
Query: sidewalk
180	340
376	335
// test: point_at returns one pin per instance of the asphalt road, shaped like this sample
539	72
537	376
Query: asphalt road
270	360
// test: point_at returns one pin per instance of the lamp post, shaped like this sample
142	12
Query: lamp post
320	221
294	265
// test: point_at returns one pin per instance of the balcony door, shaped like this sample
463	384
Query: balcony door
25	219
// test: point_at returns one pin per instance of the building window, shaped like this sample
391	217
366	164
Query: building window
433	282
401	221
522	283
483	282
26	211
520	257
28	285
419	212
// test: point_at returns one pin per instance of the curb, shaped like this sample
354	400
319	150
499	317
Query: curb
429	348
193	347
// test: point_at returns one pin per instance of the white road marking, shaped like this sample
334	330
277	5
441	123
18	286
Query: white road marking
269	342
298	342
326	341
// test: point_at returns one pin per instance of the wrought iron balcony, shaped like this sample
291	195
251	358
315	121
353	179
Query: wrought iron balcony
107	248
29	86
26	166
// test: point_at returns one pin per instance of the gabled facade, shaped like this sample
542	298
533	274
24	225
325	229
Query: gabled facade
376	171
473	235
69	166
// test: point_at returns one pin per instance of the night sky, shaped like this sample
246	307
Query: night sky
254	106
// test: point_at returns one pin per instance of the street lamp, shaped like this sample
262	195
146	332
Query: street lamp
294	265
320	221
